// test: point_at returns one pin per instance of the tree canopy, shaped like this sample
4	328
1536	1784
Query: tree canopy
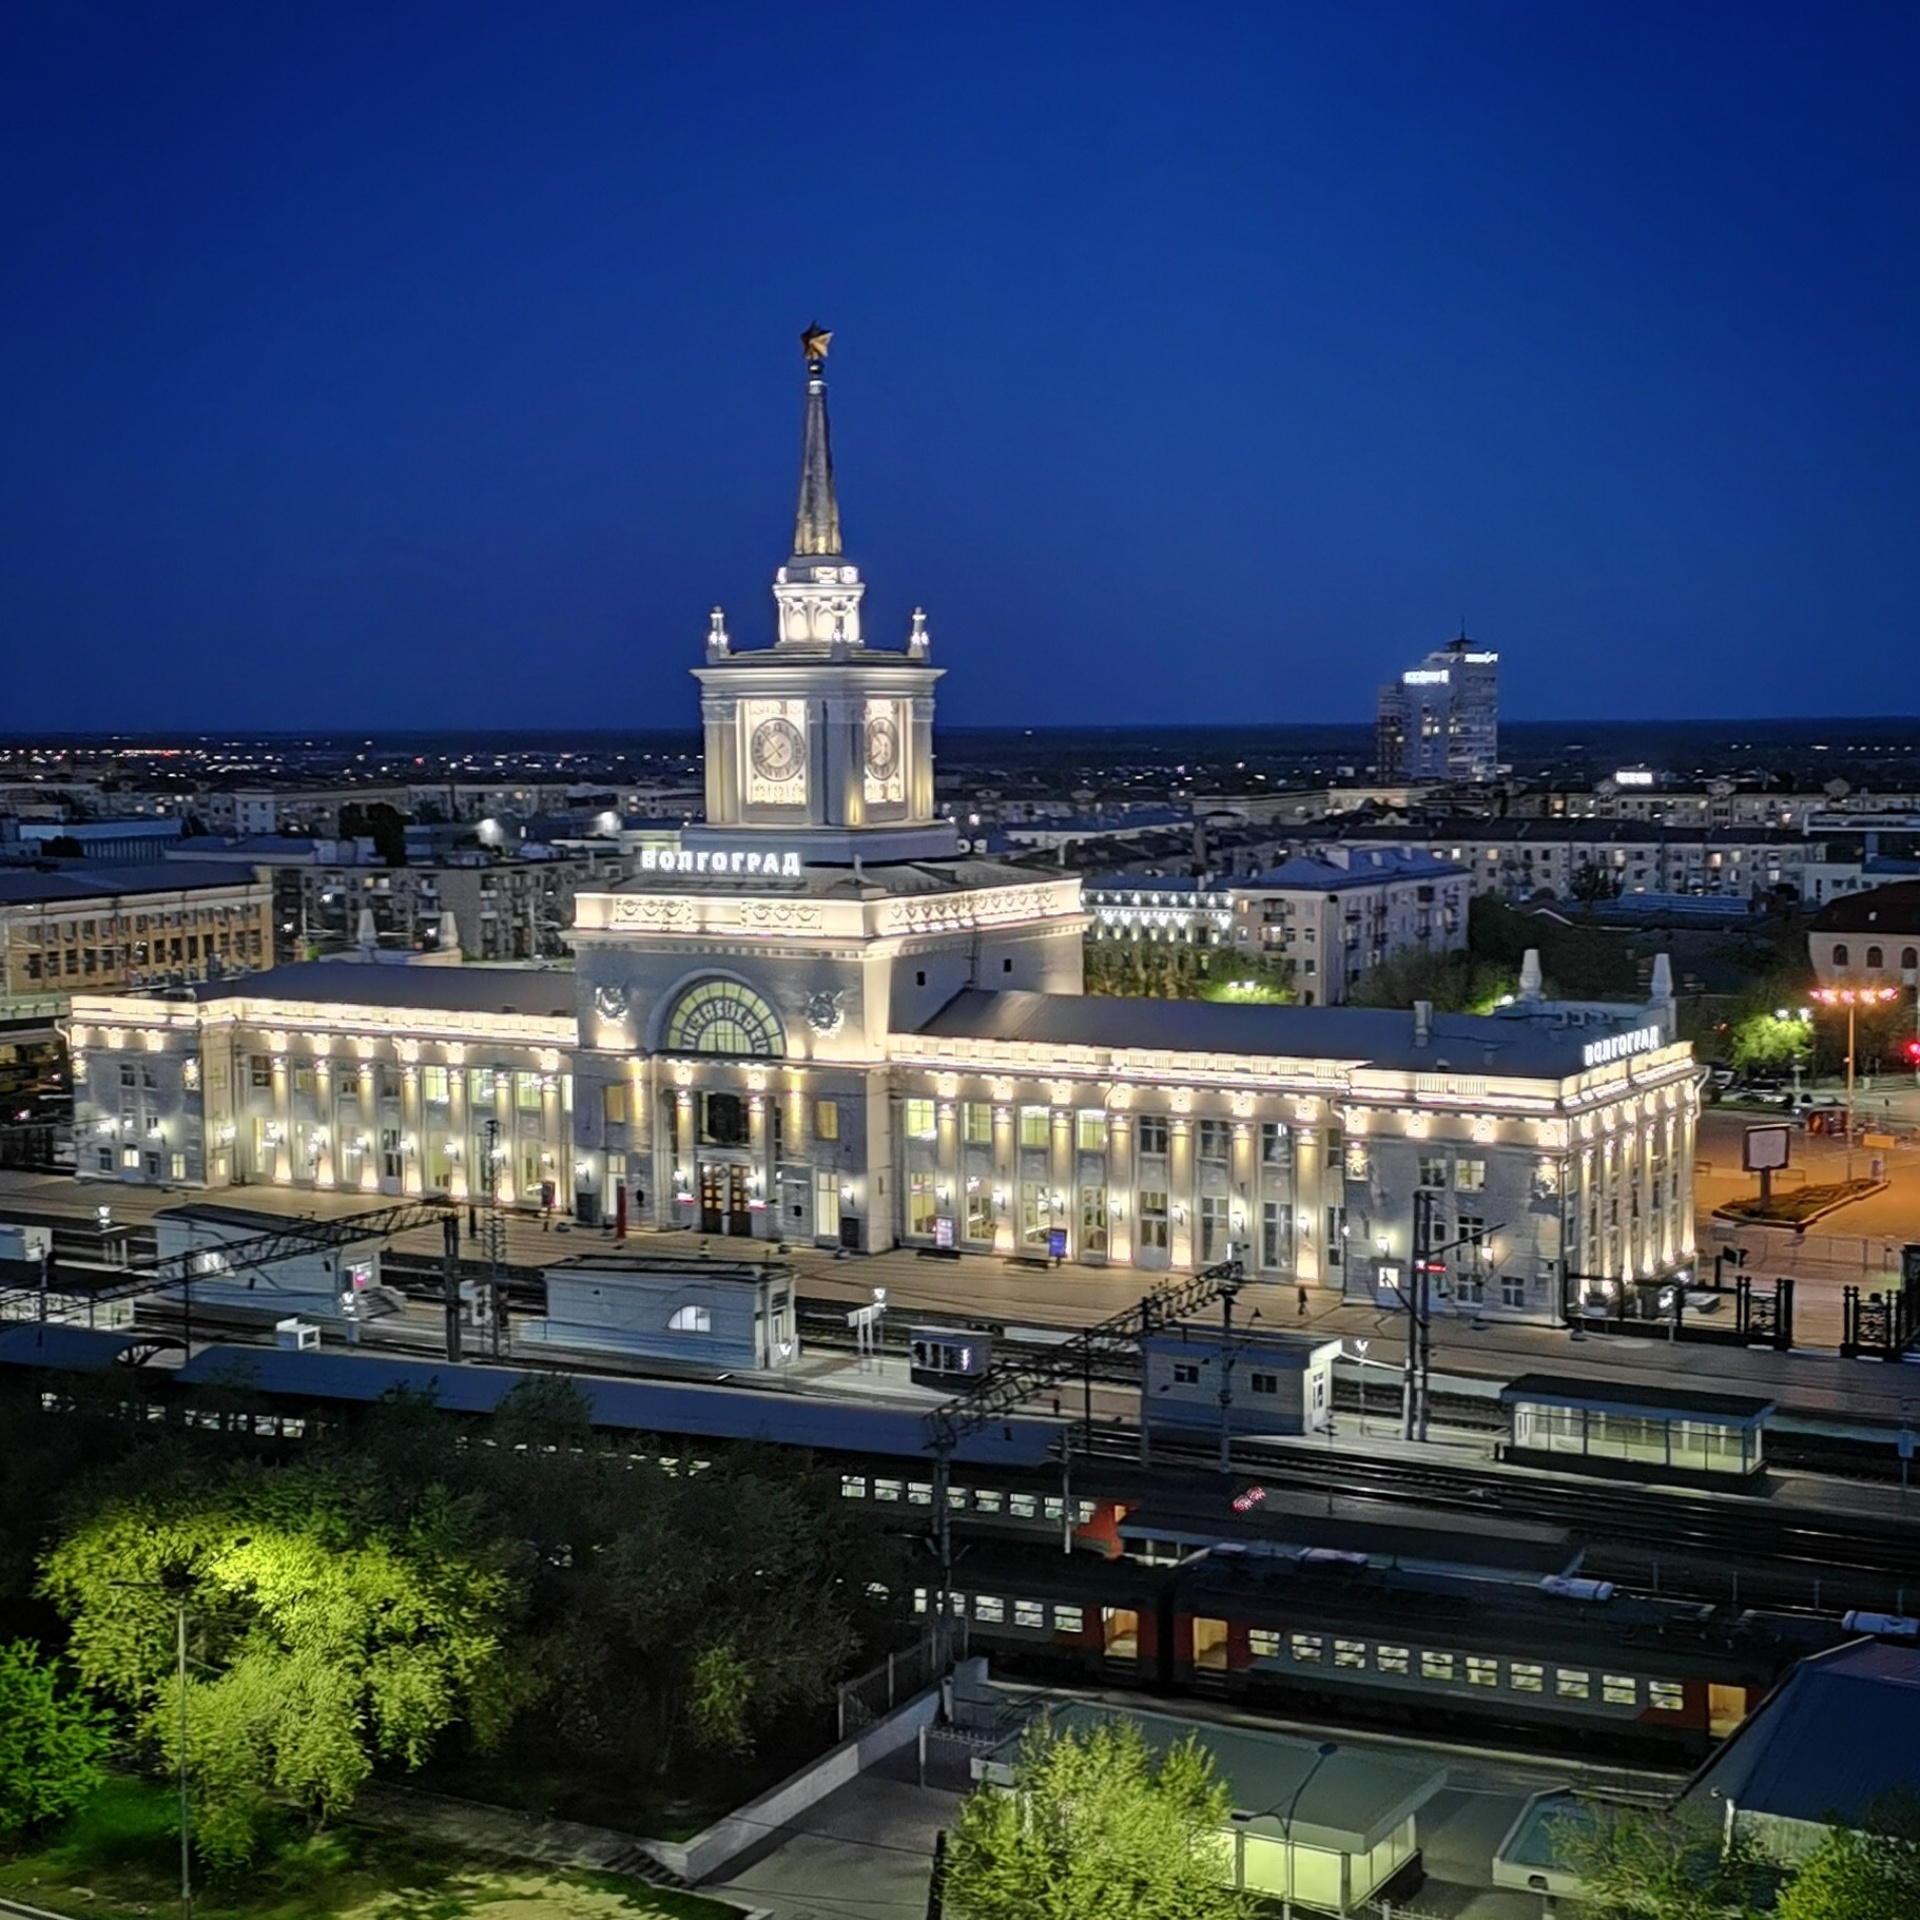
332	1625
52	1741
1095	1828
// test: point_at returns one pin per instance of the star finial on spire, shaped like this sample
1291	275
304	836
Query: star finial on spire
813	342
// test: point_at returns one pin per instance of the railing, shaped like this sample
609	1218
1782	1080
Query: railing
873	1695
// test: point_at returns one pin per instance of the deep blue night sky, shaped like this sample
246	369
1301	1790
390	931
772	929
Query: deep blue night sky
401	364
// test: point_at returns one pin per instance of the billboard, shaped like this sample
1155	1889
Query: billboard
1766	1148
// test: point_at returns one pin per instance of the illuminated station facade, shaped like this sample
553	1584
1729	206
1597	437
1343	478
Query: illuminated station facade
814	1021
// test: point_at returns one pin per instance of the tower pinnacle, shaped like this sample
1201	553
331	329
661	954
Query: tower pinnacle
816	525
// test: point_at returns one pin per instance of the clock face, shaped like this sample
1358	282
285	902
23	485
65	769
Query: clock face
883	747
777	750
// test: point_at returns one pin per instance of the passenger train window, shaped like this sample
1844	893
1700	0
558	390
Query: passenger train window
957	1499
1086	1512
1390	1659
886	1489
1482	1673
1022	1506
1436	1666
1349	1653
1029	1613
919	1493
1668	1695
1068	1620
1526	1677
853	1486
1263	1643
1056	1507
986	1500
990	1608
919	1599
1571	1684
1619	1690
1307	1646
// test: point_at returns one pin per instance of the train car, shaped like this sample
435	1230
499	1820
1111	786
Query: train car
954	1358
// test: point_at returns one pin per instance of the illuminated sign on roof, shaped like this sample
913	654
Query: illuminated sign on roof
1425	677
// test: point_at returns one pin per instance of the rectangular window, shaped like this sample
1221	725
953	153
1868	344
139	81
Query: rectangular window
1069	1620
1030	1613
613	1103
1186	1373
853	1486
1090	1132
1275	1147
990	1608
978	1118
1307	1647
1391	1659
1273	1234
1213	1227
1573	1683
434	1088
986	1500
919	1493
979	1215
1436	1666
1153	1133
1668	1696
179	1165
826	1119
920	1120
1036	1127
1433	1169
887	1489
1264	1382
1482	1672
1263	1643
480	1084
259	1071
1349	1653
1336	1235
1036	1214
1093	1219
1216	1140
526	1092
1469	1176
303	1079
1023	1506
1153	1219
1524	1677
1619	1690
921	1205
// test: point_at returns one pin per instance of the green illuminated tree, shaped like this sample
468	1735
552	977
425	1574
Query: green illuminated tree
1671	1864
1764	1040
1861	1876
334	1623
52	1742
1096	1829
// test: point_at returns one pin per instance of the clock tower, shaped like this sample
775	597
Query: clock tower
820	745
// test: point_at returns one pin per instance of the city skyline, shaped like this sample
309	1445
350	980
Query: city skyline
345	399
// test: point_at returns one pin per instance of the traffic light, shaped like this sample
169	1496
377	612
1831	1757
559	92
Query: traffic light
1913	1054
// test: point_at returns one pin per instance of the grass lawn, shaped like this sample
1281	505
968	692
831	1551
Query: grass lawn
119	1859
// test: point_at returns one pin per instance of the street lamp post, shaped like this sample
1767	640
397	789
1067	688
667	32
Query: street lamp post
1853	999
1322	1754
179	1599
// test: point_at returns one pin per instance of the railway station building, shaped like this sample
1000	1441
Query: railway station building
812	1019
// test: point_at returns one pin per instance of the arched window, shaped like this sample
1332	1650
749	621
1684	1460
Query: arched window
1875	959
691	1320
721	1016
1909	958
1840	954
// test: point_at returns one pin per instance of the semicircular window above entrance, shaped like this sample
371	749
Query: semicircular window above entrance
721	1016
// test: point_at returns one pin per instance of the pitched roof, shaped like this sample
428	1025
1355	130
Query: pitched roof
545	991
1891	910
99	880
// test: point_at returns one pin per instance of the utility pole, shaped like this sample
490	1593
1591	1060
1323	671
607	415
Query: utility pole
450	1261
1228	1291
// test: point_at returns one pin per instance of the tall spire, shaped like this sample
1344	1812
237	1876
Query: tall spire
816	526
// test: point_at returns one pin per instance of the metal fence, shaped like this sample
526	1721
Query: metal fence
872	1696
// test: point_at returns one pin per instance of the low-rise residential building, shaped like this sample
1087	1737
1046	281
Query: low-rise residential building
1871	939
90	927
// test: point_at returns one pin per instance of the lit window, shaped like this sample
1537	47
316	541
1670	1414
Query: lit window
1263	1643
1029	1613
1349	1653
691	1320
1391	1659
826	1120
990	1608
1619	1690
886	1489
978	1124
1570	1683
1526	1678
986	1500
1023	1506
1436	1666
919	1493
853	1486
1035	1127
920	1120
1668	1695
1090	1132
1469	1176
919	1599
1307	1647
1482	1673
1069	1620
